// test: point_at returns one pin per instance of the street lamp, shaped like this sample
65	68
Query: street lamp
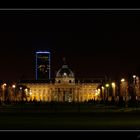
122	80
103	92
107	85
13	86
135	85
98	92
26	89
3	91
124	89
134	76
113	86
134	82
14	94
107	90
4	84
122	86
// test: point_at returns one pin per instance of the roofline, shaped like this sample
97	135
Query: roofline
42	52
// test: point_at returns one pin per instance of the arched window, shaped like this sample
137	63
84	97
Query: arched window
69	81
59	81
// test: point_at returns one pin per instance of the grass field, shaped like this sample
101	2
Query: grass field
88	117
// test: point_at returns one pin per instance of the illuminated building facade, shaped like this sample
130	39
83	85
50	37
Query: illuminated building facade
43	65
64	88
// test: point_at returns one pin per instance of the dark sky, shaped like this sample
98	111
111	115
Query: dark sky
94	42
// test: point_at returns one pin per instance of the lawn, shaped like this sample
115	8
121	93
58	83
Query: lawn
68	117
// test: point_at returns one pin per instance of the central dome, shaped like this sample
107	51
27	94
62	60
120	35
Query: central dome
65	72
65	75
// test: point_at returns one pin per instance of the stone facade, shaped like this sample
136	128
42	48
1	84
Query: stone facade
63	89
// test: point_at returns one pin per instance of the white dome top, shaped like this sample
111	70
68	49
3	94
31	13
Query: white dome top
64	72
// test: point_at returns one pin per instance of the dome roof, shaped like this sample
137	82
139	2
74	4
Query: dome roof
64	72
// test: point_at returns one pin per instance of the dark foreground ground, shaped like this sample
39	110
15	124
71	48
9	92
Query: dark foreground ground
51	117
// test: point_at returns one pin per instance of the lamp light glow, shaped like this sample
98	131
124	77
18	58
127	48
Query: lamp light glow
107	85
4	84
122	80
113	84
13	86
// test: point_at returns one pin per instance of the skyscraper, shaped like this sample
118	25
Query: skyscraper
43	65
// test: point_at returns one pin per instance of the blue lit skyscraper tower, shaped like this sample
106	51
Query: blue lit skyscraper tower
43	69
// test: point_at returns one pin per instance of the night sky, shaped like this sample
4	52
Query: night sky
94	43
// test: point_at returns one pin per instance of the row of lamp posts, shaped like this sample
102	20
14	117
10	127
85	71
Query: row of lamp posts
123	89
11	92
105	90
3	92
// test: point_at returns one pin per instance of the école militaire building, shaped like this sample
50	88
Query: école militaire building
63	88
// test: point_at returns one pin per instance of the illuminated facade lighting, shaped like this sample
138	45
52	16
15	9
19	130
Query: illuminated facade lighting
30	92
43	70
26	89
99	91
134	76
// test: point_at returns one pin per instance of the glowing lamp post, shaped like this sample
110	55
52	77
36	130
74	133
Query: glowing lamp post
4	84
124	89
3	91
107	85
122	86
107	90
134	84
113	87
99	92
134	76
13	86
14	94
103	92
122	80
